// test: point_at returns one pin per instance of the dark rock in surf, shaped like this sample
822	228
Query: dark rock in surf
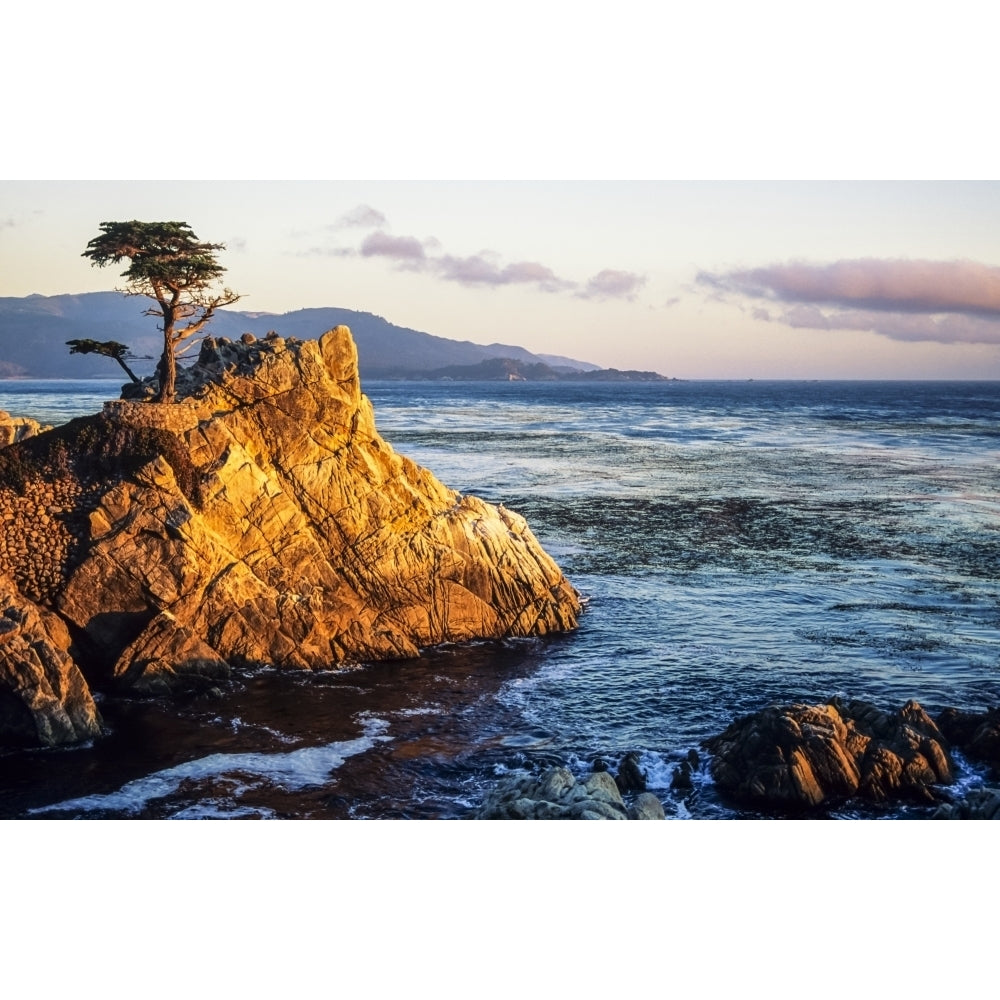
805	756
983	803
976	734
630	777
681	780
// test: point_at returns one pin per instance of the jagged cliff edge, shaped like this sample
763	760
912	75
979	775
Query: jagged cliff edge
259	520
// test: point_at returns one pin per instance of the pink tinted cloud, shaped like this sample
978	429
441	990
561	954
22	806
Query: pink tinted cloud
917	286
530	271
483	269
399	248
479	269
947	328
610	284
810	317
909	300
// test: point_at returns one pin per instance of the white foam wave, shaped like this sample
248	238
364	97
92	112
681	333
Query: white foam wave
223	810
294	771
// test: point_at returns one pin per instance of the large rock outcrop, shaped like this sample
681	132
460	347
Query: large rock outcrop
803	756
44	699
260	519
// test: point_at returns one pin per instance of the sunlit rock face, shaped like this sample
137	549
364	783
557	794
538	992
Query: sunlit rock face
804	756
14	429
261	519
44	699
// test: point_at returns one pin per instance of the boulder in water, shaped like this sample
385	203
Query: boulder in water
982	803
556	794
804	756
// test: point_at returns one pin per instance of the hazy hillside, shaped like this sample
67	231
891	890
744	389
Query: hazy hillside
34	331
510	369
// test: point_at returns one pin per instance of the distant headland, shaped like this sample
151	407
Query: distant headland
34	331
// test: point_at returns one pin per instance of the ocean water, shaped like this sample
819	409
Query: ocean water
737	543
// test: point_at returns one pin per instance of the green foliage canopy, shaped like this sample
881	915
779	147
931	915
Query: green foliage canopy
108	348
169	264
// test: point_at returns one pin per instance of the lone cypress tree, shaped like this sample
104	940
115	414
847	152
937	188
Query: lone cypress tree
107	348
167	263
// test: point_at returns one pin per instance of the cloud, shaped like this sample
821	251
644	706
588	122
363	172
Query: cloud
920	286
326	252
360	217
609	284
22	218
484	269
407	249
948	328
525	271
809	317
477	270
911	300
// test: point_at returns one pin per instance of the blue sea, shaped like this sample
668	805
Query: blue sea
736	543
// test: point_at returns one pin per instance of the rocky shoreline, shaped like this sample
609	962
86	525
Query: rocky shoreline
258	520
790	760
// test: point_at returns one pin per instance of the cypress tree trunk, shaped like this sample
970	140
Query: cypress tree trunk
128	371
167	367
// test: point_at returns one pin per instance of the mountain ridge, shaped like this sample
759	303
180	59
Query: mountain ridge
34	330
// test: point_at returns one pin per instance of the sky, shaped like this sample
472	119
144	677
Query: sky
692	279
485	174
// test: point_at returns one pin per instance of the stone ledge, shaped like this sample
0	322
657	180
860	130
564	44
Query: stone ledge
177	417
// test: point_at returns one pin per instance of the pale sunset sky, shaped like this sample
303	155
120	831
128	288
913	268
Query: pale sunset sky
705	279
814	278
